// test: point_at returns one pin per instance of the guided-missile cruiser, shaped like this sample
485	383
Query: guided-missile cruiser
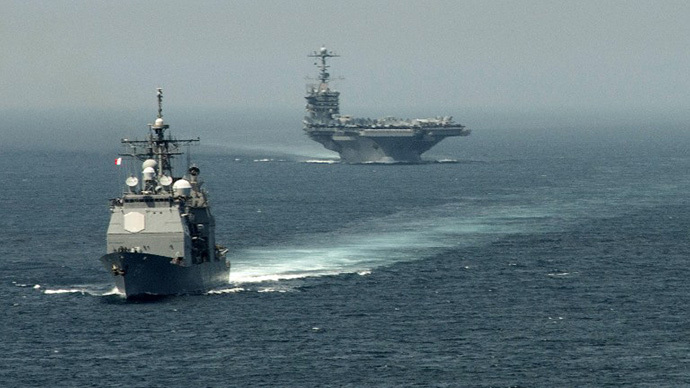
161	236
365	140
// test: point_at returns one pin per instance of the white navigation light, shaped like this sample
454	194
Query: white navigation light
148	173
165	180
182	188
149	163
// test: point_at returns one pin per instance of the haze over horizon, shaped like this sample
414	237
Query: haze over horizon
495	66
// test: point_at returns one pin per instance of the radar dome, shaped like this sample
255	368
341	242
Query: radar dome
323	50
182	188
149	163
148	173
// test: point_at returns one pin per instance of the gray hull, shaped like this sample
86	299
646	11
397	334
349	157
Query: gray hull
139	275
376	148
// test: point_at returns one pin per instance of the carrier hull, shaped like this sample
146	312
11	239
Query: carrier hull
381	146
139	275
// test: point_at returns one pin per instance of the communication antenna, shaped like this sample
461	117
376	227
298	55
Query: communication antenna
132	183
189	156
158	150
160	102
165	180
322	54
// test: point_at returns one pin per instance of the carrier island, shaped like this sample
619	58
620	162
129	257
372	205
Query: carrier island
365	140
161	236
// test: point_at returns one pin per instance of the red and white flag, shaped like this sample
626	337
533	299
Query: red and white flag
118	161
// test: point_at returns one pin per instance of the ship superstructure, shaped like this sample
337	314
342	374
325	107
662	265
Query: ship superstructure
364	140
161	236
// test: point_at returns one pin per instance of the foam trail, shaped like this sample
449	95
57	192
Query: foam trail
83	290
293	152
401	237
322	161
65	291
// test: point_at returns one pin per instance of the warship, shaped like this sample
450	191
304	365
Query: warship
161	236
365	140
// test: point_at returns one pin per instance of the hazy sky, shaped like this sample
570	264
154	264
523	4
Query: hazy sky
488	62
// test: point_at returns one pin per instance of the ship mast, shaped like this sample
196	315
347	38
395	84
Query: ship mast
158	143
322	102
322	54
160	102
157	146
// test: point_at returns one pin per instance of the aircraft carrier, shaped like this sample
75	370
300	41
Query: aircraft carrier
365	140
161	236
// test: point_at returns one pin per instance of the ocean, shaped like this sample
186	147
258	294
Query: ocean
534	264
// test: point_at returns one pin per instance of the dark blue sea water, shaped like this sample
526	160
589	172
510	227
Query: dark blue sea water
541	265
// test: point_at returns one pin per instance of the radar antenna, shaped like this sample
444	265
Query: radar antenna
160	102
157	146
322	54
